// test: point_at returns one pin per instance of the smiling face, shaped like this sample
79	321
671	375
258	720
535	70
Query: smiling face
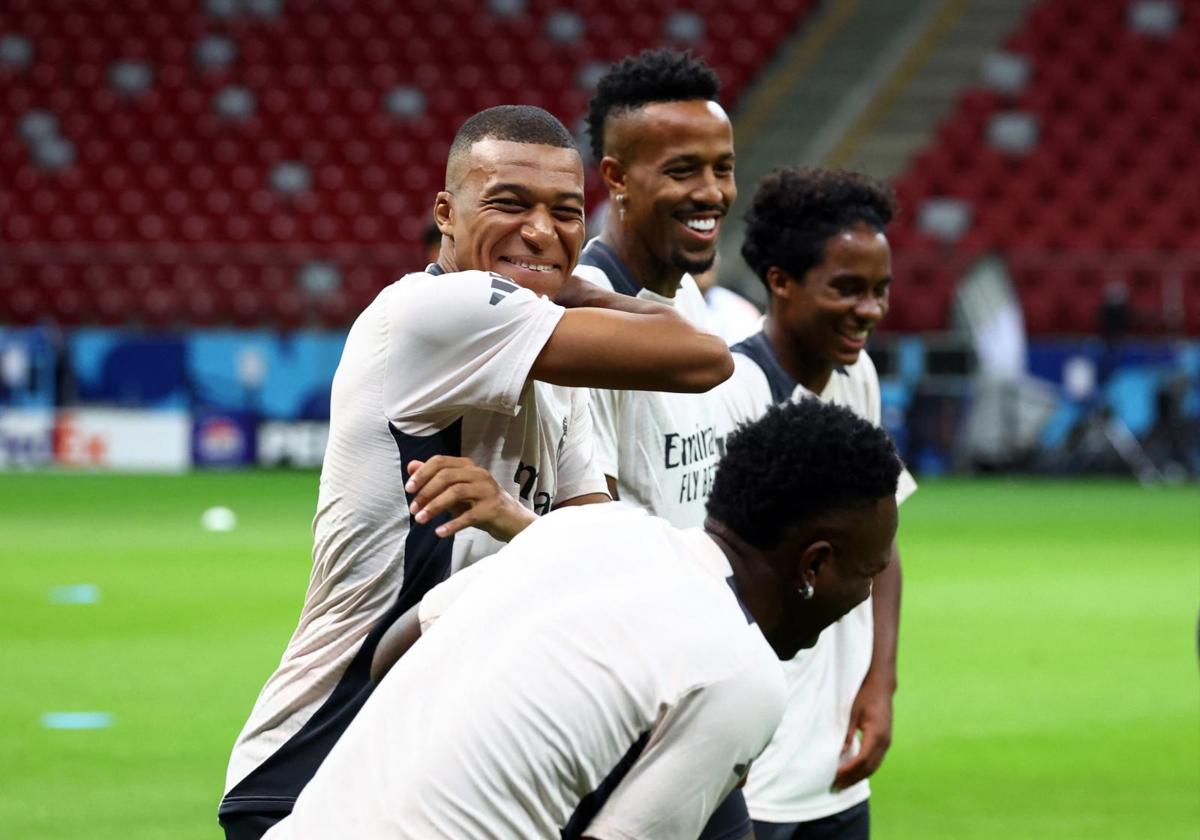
840	570
515	209
832	310
673	164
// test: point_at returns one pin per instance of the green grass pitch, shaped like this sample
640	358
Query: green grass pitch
1048	654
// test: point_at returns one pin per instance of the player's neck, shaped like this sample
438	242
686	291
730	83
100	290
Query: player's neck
810	371
661	278
757	582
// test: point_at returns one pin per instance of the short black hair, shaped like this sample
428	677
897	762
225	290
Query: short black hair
515	123
657	75
796	462
797	210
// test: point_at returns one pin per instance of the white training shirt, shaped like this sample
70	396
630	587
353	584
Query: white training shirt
598	676
438	363
791	780
660	447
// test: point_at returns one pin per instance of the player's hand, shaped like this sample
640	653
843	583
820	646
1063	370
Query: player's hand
469	493
871	715
573	292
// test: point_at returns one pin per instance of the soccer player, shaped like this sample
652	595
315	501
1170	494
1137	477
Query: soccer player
456	375
665	149
816	240
608	675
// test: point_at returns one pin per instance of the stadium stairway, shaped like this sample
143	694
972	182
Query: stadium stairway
843	49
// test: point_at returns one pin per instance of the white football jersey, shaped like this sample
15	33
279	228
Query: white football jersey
598	676
660	447
791	780
437	364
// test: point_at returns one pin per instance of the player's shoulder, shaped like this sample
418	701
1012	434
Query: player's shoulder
420	283
743	671
606	515
748	386
863	369
594	275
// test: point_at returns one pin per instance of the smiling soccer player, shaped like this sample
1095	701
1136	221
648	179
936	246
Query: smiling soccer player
816	239
455	374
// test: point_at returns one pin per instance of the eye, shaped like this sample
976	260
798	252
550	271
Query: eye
508	204
849	288
681	172
568	214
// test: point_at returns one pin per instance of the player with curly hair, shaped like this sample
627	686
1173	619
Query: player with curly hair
816	240
608	675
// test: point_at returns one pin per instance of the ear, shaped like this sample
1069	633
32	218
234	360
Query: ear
443	213
779	283
814	558
613	173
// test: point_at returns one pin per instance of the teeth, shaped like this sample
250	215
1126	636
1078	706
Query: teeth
703	225
531	266
856	334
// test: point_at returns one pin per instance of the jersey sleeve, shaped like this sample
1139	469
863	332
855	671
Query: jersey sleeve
579	470
605	411
698	751
743	397
461	340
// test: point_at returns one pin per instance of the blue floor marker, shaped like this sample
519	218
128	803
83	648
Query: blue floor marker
80	593
77	720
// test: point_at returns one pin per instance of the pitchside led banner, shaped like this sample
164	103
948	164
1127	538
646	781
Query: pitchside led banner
96	438
222	439
26	438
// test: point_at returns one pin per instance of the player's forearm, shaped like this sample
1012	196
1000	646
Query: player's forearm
599	348
886	609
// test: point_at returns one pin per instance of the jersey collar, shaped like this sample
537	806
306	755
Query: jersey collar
600	256
759	349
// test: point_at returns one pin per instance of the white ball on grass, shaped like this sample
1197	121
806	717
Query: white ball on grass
218	519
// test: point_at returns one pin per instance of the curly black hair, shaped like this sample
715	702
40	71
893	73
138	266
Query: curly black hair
657	75
798	461
796	211
517	123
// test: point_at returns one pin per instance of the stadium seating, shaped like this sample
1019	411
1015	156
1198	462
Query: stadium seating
178	162
1105	192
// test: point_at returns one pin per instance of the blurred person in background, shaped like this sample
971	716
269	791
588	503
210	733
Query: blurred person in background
453	407
816	240
730	315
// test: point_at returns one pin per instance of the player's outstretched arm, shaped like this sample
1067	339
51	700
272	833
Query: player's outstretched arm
469	493
606	340
871	712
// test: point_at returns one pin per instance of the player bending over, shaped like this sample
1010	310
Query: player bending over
457	373
608	675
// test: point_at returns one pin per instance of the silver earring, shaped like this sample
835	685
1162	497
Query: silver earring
621	206
807	592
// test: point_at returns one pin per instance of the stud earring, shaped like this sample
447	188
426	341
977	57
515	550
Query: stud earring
807	592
